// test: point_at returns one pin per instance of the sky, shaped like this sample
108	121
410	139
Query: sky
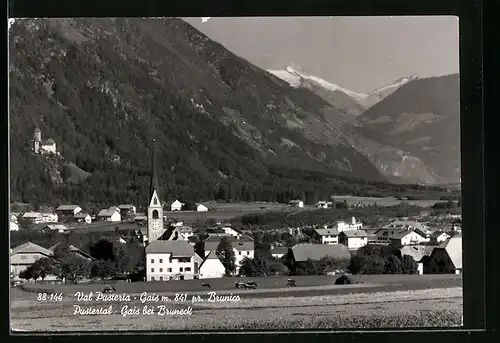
358	53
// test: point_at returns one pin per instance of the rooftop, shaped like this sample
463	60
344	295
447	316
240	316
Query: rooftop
67	207
327	232
175	248
355	233
29	247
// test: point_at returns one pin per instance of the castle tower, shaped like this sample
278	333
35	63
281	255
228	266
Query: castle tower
37	138
155	207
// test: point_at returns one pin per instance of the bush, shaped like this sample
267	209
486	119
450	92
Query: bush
344	280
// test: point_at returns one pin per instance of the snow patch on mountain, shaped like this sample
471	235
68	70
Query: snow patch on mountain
396	84
293	76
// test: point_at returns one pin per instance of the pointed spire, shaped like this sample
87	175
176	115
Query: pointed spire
154	177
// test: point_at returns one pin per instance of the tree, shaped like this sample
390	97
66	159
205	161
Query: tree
393	265
408	265
62	251
247	267
102	250
373	265
356	264
73	267
225	253
103	269
43	267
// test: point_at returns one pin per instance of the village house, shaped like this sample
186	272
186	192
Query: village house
230	230
353	239
447	257
33	217
74	250
401	236
211	267
109	216
169	260
50	217
410	225
438	237
14	216
55	227
244	247
278	252
127	209
420	254
327	236
324	204
296	203
13	226
24	255
176	206
83	217
67	212
343	226
300	253
174	232
201	208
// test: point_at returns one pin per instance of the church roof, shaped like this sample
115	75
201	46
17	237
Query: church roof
154	185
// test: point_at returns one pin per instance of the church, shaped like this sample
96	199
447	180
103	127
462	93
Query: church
165	259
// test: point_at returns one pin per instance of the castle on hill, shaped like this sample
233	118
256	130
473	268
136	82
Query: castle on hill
40	146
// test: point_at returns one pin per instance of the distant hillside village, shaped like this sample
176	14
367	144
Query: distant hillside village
167	249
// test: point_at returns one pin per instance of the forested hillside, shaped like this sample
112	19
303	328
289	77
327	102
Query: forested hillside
103	88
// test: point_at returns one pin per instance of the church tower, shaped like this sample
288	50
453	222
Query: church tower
155	207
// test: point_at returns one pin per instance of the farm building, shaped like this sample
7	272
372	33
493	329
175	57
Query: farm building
278	252
109	216
211	267
439	237
82	217
353	239
447	257
24	255
176	206
50	217
127	209
324	204
201	208
327	236
33	217
169	260
68	210
296	203
420	254
230	230
74	250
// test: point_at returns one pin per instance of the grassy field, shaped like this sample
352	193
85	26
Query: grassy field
265	285
436	307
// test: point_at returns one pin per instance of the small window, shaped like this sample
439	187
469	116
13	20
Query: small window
155	201
155	214
161	278
161	260
152	278
170	278
248	253
152	260
239	253
152	270
169	270
161	270
180	269
188	269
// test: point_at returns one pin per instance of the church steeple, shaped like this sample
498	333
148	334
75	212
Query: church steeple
155	207
154	185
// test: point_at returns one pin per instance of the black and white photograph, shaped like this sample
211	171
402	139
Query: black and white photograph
234	173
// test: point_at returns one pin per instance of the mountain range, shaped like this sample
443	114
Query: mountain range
226	129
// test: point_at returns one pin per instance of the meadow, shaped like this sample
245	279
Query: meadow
415	308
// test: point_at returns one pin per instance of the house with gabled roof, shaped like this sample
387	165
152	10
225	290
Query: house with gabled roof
24	255
68	210
55	227
296	203
420	253
446	258
327	235
127	208
169	260
176	206
300	253
243	248
278	252
109	215
83	217
211	267
353	239
439	237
